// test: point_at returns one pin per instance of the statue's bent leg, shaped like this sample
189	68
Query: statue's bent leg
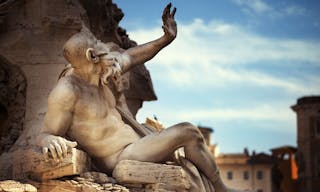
158	147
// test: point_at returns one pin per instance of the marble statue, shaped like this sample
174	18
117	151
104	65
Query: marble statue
82	108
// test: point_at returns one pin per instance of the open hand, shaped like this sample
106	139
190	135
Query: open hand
55	145
169	24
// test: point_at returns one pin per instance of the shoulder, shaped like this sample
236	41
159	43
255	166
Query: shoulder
65	91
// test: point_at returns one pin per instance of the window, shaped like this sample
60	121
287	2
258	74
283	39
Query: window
286	156
229	175
245	175
259	175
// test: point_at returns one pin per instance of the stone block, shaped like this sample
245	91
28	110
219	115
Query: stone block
155	177
30	163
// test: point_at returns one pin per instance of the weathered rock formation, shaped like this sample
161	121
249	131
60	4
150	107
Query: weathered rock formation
12	103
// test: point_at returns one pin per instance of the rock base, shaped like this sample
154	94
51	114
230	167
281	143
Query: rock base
15	186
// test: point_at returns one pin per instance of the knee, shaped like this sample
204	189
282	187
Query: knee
189	132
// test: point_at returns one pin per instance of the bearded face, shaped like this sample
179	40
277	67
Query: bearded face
105	62
110	70
84	52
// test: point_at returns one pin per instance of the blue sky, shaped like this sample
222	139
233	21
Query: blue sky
236	66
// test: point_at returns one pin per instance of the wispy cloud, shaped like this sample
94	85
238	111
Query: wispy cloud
262	112
265	113
257	6
295	10
260	7
217	54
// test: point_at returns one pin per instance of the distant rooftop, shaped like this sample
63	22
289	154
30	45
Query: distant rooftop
232	158
285	148
261	158
308	100
232	155
244	159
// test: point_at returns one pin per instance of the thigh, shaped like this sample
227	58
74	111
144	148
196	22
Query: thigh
156	147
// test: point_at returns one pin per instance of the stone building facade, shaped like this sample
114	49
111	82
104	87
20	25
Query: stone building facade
246	172
308	138
242	170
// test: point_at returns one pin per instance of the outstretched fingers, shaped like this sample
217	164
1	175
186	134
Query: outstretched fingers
166	12
173	12
169	24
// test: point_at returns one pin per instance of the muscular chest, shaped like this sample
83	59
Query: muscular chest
94	103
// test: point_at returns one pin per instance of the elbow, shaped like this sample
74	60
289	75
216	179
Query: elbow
126	63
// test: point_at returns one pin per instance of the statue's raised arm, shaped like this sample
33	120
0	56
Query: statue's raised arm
142	53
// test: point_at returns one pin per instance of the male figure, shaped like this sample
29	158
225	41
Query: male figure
82	107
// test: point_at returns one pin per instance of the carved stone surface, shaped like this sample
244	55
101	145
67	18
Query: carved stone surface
12	103
140	89
78	185
30	163
15	186
152	176
33	38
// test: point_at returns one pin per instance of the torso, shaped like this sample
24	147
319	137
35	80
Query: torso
97	126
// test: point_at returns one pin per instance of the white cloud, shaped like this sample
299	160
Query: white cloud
213	55
217	54
256	113
266	113
258	6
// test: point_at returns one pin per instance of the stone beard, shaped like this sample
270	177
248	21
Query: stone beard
111	73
